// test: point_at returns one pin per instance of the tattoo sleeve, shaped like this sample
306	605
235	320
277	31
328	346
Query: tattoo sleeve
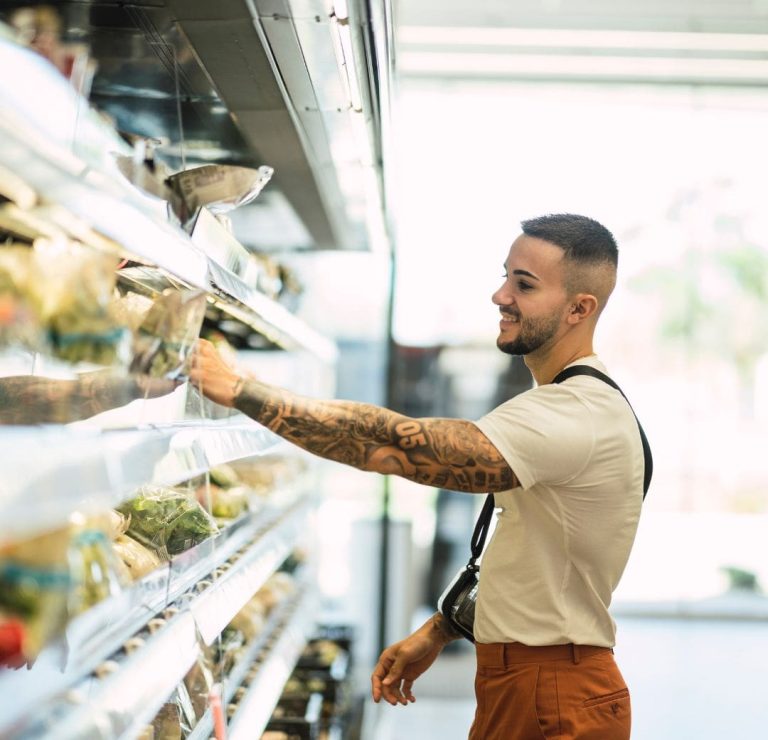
38	400
445	453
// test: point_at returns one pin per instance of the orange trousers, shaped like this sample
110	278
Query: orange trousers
568	692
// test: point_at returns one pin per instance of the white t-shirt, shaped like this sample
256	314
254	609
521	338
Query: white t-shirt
563	537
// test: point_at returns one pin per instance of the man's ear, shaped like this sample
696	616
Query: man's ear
583	306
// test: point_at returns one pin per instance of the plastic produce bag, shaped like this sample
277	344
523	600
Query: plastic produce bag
225	503
34	590
93	569
138	560
167	521
220	188
75	286
20	310
167	334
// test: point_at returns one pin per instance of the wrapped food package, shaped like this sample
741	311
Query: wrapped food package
220	188
20	310
224	476
34	588
131	309
225	503
137	559
94	570
279	586
251	619
167	521
167	722
75	286
198	683
228	647
167	334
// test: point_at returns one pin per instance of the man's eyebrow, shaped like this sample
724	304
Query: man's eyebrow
524	272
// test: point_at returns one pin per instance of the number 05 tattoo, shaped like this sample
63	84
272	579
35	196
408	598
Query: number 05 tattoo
445	453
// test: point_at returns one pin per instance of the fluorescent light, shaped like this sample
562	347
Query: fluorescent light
573	67
554	38
348	63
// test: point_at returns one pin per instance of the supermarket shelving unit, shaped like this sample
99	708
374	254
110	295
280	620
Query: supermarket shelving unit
87	684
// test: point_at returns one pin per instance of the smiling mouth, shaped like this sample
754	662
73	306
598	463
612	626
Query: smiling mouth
507	318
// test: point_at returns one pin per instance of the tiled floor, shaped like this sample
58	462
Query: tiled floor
690	680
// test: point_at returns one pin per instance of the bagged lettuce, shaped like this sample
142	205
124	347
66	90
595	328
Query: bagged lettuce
167	521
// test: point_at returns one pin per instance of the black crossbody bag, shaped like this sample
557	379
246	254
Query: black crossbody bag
457	602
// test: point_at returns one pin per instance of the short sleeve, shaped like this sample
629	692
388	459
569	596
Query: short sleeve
546	435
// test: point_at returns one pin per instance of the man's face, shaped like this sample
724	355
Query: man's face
532	300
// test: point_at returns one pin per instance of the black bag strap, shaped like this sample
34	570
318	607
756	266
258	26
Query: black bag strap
484	519
481	530
569	372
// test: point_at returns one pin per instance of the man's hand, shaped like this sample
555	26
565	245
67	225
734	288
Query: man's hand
215	379
402	663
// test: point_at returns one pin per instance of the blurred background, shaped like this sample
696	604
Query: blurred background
649	117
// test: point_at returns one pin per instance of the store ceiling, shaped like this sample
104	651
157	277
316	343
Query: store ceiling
658	41
251	82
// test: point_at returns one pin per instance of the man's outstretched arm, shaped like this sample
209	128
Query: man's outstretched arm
445	453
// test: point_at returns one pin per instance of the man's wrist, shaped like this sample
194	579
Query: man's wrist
443	628
237	389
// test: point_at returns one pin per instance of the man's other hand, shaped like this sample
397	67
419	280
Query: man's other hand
402	663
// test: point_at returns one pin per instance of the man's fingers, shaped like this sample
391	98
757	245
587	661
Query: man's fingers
379	672
396	670
393	695
408	690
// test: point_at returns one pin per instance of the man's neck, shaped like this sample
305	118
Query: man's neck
545	368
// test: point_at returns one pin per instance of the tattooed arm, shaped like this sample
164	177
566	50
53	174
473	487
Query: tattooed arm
29	399
445	453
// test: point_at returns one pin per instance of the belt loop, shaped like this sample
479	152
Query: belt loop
575	653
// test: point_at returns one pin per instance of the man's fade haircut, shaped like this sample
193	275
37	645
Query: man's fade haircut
587	245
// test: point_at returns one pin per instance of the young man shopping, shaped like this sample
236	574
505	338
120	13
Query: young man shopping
565	462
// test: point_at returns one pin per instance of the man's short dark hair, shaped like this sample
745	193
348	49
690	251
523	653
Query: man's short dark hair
583	239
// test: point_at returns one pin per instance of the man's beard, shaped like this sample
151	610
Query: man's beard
532	335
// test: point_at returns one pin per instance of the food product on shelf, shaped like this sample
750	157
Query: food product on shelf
93	569
198	683
220	188
167	521
224	475
138	560
225	503
167	333
167	722
20	319
34	588
75	285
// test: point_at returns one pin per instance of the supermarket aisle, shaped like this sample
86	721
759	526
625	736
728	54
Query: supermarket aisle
691	680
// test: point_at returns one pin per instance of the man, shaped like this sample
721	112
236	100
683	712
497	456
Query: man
566	464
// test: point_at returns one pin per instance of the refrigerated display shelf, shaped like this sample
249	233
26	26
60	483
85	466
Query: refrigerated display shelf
282	614
65	469
276	663
66	154
194	609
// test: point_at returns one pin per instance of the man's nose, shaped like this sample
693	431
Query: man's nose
503	296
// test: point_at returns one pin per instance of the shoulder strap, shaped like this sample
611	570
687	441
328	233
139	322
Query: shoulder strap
484	519
569	372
